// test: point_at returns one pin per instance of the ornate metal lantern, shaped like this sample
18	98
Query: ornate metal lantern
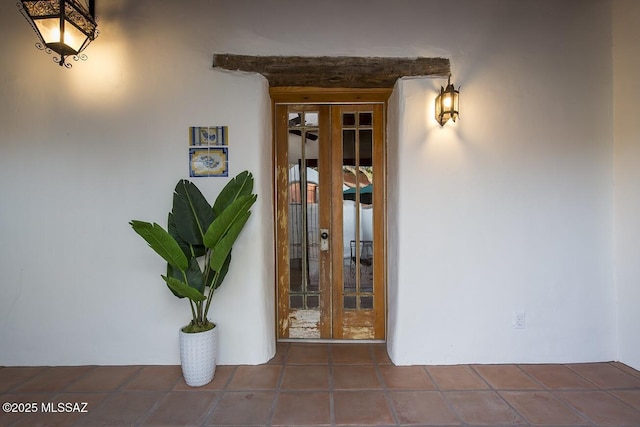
447	103
65	27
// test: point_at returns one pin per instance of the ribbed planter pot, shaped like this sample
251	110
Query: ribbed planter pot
198	356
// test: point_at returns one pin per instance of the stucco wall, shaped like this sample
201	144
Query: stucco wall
83	151
509	209
626	60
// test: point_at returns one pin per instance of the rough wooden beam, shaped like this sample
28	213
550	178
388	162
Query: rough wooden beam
333	71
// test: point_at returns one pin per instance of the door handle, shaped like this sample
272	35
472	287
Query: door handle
324	239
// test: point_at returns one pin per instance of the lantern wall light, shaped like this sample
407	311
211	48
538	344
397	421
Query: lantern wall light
65	27
447	103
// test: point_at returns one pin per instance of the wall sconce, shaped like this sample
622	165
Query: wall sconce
447	103
63	26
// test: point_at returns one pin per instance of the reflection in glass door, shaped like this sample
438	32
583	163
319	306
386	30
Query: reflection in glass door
359	301
329	221
303	205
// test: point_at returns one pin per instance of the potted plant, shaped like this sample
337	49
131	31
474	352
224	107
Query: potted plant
197	248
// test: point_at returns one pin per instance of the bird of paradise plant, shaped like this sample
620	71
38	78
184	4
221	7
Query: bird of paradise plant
198	240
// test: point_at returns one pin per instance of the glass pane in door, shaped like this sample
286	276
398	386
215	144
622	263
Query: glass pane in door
303	215
357	165
365	213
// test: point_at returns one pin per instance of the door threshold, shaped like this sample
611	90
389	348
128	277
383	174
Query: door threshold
328	341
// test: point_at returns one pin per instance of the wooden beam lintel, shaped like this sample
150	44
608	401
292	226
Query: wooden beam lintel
334	71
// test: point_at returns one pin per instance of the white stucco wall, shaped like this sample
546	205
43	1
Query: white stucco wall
626	60
83	151
509	209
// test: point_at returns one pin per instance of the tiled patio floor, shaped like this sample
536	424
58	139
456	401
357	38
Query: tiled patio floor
326	384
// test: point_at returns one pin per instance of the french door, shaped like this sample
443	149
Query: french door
330	221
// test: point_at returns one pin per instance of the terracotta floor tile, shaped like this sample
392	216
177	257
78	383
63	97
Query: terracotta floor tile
361	408
507	377
310	377
628	369
331	385
53	379
482	407
220	380
13	376
260	377
542	408
458	377
302	408
356	354
602	408
242	409
632	397
59	418
181	408
354	377
307	354
557	377
155	378
123	408
281	354
104	378
422	407
606	376
406	377
380	354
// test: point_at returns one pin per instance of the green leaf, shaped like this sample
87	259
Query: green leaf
223	272
225	220
195	278
241	185
184	290
208	280
176	274
173	232
161	242
192	214
224	245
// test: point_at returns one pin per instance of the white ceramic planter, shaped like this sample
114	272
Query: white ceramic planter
198	356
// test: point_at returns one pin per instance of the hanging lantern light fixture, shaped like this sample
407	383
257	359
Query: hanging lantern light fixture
65	27
447	103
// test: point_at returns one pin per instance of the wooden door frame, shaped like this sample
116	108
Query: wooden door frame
314	95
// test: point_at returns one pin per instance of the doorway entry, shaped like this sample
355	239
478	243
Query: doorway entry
330	227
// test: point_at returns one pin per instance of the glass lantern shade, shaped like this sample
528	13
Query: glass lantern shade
447	104
63	26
